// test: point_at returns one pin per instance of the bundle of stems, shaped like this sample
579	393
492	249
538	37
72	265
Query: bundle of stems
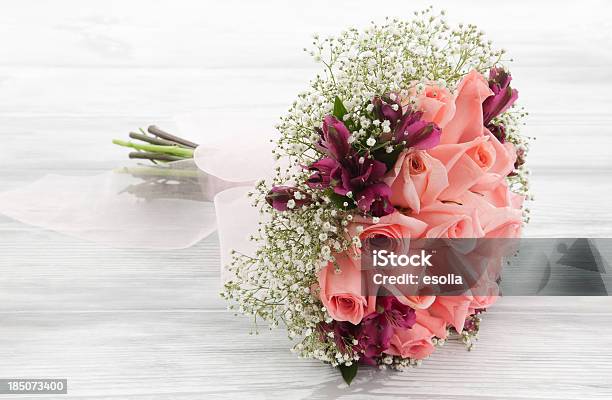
163	180
158	146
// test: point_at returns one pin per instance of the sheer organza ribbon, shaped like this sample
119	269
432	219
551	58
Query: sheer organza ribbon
195	198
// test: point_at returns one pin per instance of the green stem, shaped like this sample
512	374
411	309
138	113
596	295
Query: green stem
153	140
155	156
153	130
153	148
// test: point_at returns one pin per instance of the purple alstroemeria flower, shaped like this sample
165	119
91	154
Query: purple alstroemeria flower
334	138
279	198
357	173
415	132
374	337
323	170
520	158
344	333
397	313
503	95
498	130
386	108
376	330
375	199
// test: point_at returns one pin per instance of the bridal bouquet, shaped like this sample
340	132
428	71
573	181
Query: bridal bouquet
409	131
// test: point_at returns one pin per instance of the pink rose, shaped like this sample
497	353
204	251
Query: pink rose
503	223
466	164
413	343
467	121
340	291
436	325
398	227
437	104
416	180
496	192
394	226
417	302
451	221
485	292
505	155
480	163
482	302
496	222
483	155
451	309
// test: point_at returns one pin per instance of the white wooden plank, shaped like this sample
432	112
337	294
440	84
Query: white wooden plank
195	354
45	271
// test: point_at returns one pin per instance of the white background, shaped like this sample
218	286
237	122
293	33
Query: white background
75	74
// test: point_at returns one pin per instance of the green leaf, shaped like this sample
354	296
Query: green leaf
339	200
388	158
339	109
348	372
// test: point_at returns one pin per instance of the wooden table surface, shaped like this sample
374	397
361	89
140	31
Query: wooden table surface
131	324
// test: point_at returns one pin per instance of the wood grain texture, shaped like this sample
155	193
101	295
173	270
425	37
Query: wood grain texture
132	324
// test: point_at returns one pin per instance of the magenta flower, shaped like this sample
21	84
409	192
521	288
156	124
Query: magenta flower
344	333
374	333
503	95
376	330
397	313
520	158
334	138
348	173
387	109
374	338
357	173
359	176
375	199
283	198
322	172
415	132
498	130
